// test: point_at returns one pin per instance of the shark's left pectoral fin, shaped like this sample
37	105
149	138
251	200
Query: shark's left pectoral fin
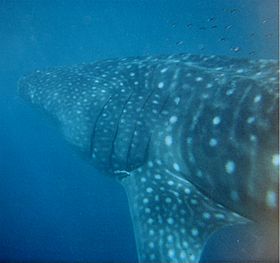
172	219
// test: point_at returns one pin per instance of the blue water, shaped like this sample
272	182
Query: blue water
53	205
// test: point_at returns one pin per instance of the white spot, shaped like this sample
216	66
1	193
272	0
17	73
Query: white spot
151	244
171	253
150	164
143	179
206	215
183	230
219	216
173	119
145	200
230	167
257	98
149	190
199	79
240	71
229	92
160	85
177	100
170	220
250	120
185	244
193	201
170	238
168	200
194	232
147	210
168	140
213	142
209	85
170	182
176	166
192	257
183	254
151	232
216	120
276	159
150	221
158	176
205	96
253	138
187	191
158	162
271	199
132	74
164	70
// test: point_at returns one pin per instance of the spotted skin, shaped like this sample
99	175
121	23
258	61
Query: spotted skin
193	140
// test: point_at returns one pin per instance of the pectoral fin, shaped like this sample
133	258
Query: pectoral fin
172	219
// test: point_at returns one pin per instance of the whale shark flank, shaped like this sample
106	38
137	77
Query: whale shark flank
193	140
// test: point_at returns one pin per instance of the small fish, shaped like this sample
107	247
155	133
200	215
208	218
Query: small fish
179	43
222	39
211	19
235	49
265	21
234	11
269	35
228	27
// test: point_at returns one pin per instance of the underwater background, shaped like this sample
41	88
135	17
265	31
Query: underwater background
53	205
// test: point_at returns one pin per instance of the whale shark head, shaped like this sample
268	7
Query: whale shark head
193	140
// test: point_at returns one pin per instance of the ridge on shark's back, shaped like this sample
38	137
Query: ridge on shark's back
193	140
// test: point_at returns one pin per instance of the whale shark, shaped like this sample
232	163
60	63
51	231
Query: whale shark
193	139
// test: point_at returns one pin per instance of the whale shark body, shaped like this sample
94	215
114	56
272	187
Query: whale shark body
193	140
